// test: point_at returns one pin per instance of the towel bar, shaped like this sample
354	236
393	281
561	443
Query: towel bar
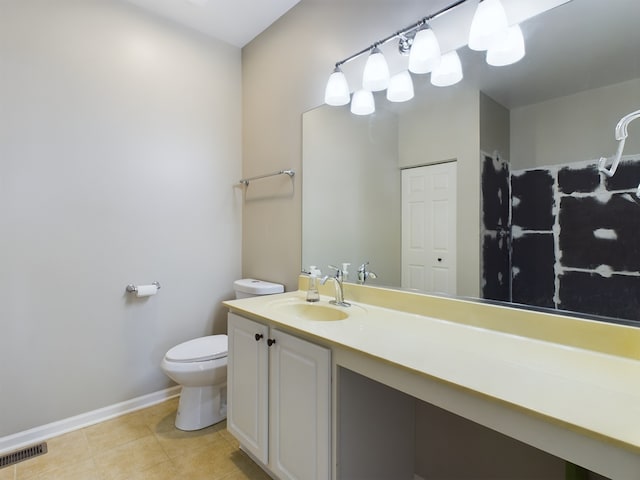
245	181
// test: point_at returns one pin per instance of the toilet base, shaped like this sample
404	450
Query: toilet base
201	407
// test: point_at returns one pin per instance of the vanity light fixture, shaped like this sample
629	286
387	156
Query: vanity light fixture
490	31
489	25
448	72
508	52
404	45
376	72
400	87
425	52
337	91
363	103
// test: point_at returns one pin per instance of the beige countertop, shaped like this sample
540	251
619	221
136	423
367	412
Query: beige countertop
589	384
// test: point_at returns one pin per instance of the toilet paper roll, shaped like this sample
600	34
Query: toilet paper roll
146	290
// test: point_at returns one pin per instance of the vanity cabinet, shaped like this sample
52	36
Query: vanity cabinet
279	399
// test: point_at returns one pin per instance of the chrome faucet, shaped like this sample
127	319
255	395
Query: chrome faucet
337	281
364	274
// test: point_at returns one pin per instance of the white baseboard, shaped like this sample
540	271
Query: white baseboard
44	432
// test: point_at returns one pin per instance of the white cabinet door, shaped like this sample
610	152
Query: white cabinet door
300	409
247	385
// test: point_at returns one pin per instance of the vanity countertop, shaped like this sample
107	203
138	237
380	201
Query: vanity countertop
526	361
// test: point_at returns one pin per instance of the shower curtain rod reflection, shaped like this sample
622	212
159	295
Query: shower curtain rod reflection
245	181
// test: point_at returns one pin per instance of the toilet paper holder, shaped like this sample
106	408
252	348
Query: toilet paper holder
131	288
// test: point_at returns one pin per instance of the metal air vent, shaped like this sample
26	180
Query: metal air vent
23	454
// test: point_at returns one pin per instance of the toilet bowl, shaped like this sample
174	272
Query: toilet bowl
200	367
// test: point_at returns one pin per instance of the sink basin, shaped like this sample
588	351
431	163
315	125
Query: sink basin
299	309
311	311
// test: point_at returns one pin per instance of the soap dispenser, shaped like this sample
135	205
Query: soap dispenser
312	291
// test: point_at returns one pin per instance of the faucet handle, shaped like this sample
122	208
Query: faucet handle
364	274
339	274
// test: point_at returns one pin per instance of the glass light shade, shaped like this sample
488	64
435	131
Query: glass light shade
337	91
448	72
362	103
400	87
489	25
425	52
509	51
376	72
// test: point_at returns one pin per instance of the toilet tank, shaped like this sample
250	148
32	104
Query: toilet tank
250	287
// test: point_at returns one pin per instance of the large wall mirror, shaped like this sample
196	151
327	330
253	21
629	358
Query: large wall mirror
535	222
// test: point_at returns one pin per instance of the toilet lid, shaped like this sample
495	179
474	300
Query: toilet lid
199	349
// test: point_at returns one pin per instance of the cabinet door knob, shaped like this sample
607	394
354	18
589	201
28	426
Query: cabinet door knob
271	341
259	336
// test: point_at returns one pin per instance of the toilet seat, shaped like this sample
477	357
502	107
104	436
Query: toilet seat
199	349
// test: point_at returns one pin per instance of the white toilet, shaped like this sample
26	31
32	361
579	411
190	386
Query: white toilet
200	367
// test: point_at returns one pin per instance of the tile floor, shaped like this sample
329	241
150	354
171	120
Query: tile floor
140	445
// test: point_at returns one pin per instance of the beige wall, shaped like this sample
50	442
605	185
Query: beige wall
119	146
464	450
447	128
574	128
351	193
340	148
494	127
284	74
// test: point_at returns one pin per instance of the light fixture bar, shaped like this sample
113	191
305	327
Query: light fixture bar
404	31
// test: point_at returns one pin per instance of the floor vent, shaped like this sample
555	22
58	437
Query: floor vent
23	454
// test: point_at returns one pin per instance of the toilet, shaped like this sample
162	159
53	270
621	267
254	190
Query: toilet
200	367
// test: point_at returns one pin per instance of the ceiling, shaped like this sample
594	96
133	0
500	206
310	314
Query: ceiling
572	46
233	21
580	45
